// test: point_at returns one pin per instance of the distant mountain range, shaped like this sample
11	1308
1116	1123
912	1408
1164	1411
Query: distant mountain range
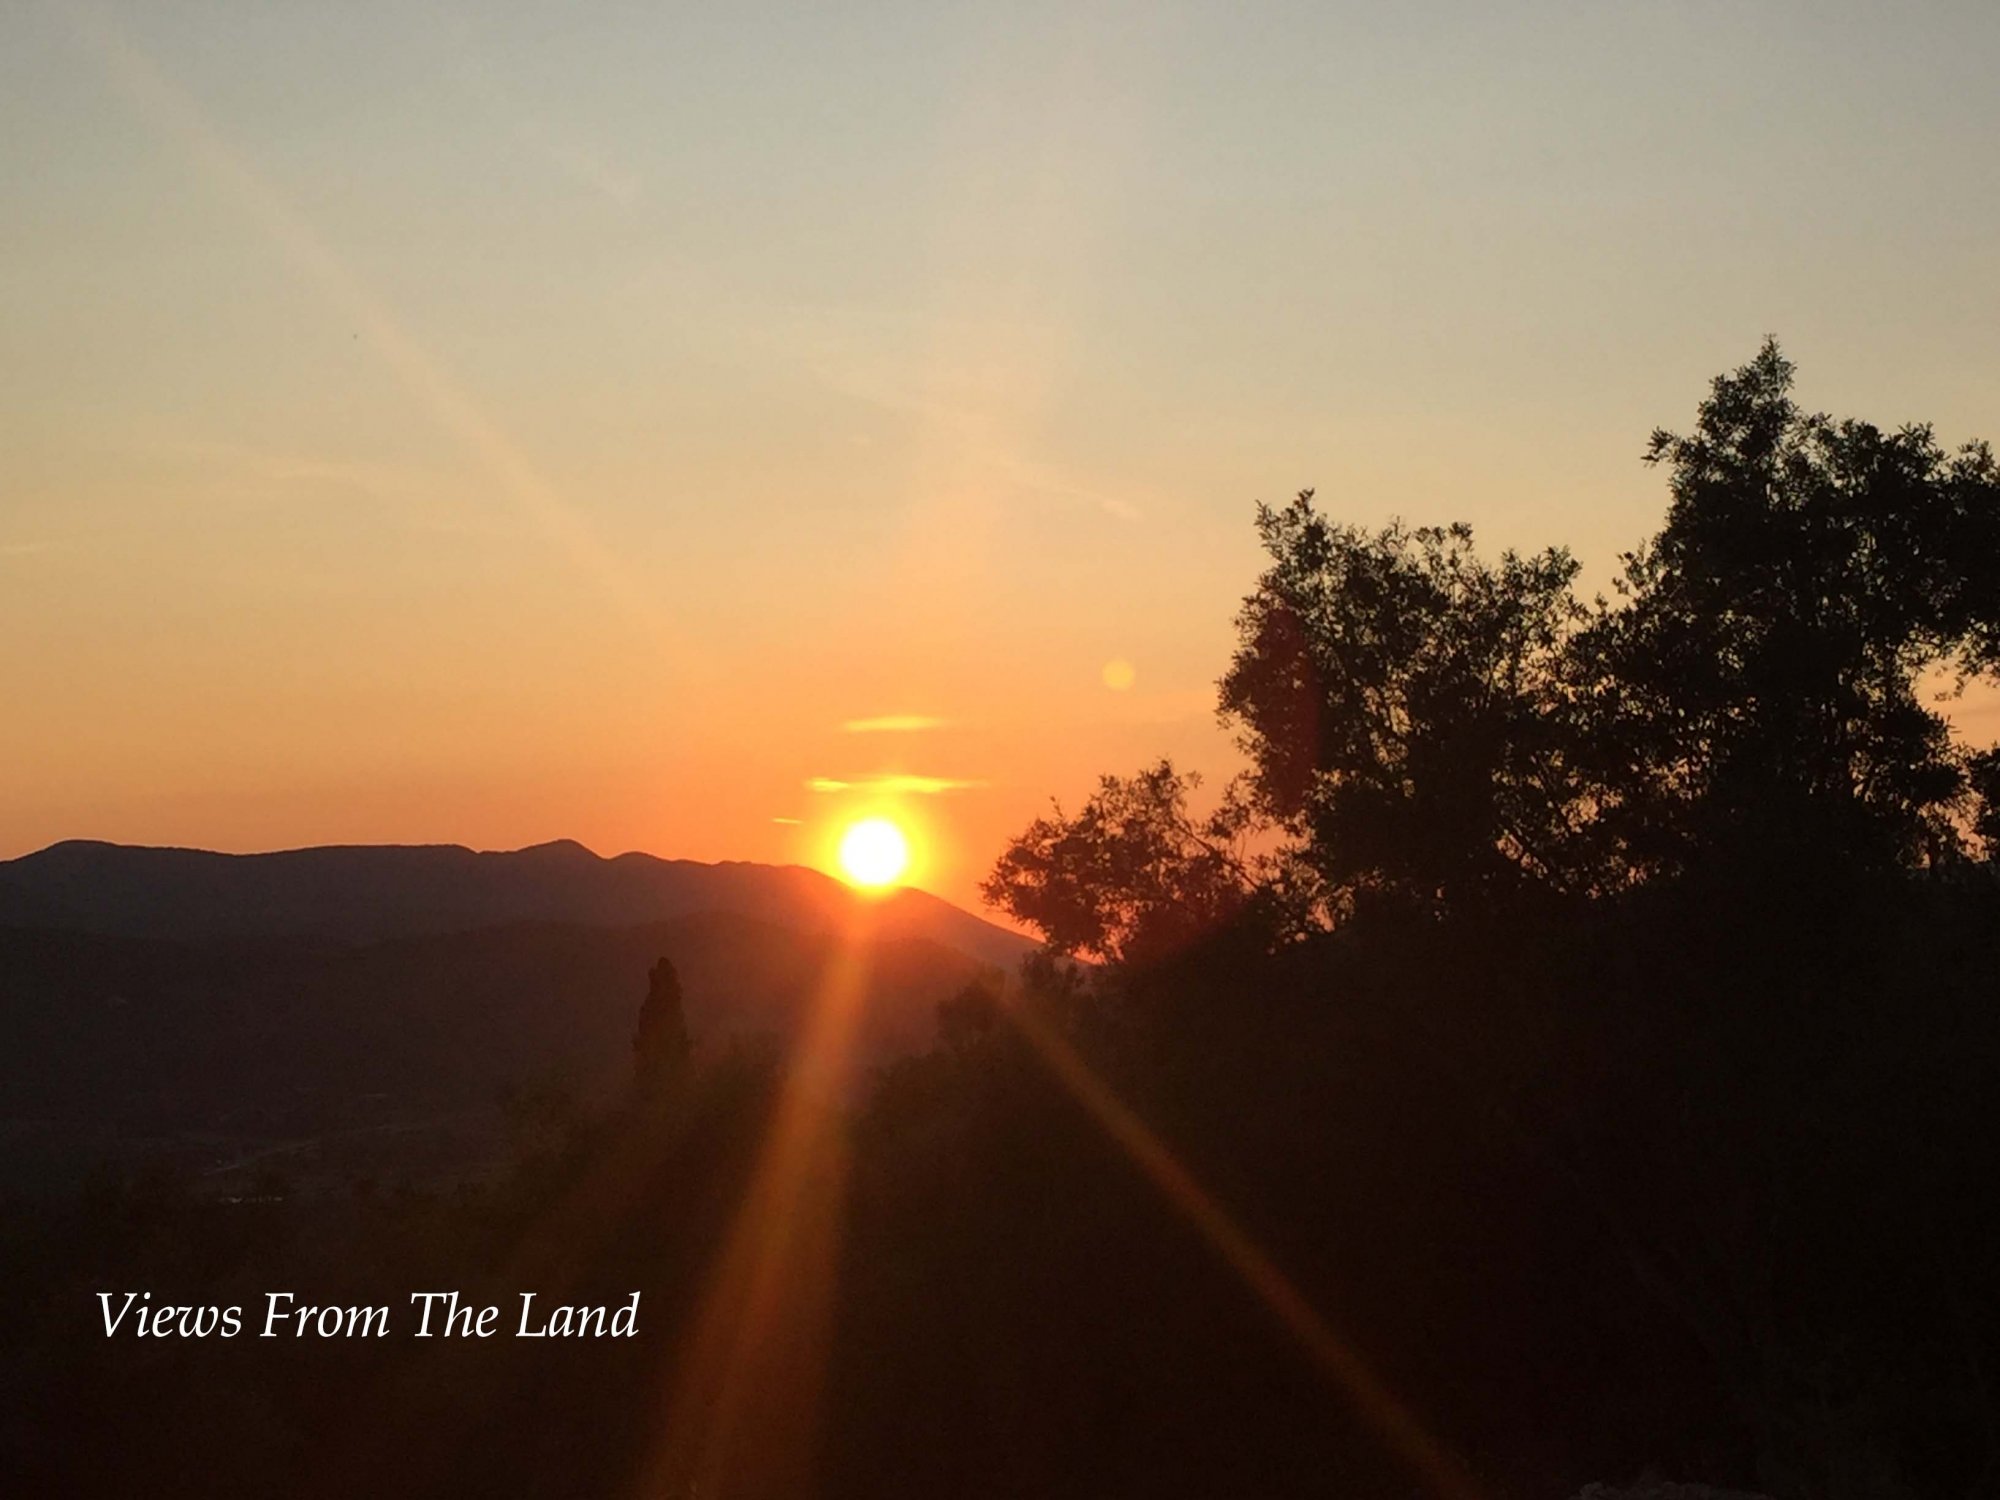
343	1010
369	892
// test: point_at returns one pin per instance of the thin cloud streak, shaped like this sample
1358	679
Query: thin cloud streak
893	724
896	785
581	164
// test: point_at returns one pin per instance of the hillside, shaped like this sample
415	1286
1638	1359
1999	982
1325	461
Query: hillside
232	1049
371	892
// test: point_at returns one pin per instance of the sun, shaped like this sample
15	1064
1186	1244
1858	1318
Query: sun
874	853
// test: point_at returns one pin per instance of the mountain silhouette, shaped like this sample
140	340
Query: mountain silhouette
367	893
350	1002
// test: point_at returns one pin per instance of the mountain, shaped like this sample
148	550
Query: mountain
350	1010
371	892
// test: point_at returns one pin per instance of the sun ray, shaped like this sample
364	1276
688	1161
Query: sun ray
171	109
1395	1423
744	1403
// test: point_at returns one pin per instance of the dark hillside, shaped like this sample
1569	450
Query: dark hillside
381	891
234	1047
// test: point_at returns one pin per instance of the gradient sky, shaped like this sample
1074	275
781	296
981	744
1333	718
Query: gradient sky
494	424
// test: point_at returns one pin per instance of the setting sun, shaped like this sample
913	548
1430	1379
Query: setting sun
874	852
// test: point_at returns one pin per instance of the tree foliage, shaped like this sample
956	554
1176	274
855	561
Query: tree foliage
1762	683
1405	707
1428	727
1135	872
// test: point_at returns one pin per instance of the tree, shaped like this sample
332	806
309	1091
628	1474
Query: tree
1440	728
1406	707
1746	1046
1984	773
661	1045
1441	731
1133	875
1759	686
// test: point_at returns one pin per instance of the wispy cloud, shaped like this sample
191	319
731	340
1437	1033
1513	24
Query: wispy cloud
25	549
579	162
972	382
895	785
893	724
220	462
789	822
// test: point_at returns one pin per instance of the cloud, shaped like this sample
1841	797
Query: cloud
896	785
25	549
577	161
893	724
794	822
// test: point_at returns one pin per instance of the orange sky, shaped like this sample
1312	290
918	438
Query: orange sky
428	428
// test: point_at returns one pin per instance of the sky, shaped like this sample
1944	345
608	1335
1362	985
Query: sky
690	428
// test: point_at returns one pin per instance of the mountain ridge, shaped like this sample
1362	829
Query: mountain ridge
368	892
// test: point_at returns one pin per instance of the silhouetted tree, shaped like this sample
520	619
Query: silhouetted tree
1135	873
1407	708
1642	895
1984	776
661	1044
1432	726
1759	685
968	1017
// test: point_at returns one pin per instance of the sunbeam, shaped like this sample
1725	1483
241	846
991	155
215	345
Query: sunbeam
171	109
1395	1423
744	1405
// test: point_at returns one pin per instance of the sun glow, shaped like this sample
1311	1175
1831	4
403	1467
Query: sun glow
874	853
